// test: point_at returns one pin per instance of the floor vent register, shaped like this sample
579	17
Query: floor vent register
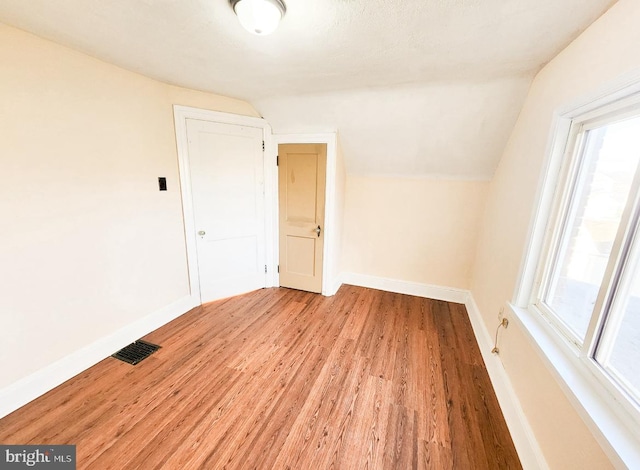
136	352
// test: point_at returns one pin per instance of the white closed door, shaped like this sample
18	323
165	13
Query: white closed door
226	168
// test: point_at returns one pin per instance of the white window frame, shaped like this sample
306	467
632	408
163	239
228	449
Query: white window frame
605	407
567	189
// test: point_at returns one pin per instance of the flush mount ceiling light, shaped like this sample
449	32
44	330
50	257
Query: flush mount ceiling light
259	17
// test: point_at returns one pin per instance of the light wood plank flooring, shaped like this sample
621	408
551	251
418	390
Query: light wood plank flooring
283	379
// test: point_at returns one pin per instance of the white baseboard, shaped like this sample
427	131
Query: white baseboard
31	387
428	291
524	440
526	444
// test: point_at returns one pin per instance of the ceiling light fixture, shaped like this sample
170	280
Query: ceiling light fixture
259	17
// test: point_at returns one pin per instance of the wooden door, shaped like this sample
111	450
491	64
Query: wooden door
226	169
301	192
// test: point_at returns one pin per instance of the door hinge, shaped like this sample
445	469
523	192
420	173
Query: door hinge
263	145
265	268
277	160
278	269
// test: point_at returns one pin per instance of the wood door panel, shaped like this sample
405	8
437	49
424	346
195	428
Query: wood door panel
301	176
300	256
301	192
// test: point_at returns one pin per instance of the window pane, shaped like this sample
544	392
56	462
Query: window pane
609	160
619	349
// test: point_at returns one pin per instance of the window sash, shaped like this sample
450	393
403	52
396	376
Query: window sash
574	183
563	215
605	330
596	340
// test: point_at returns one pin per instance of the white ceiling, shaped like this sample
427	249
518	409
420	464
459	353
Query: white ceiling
414	63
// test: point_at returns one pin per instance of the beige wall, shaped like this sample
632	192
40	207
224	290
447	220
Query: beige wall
412	229
605	51
88	244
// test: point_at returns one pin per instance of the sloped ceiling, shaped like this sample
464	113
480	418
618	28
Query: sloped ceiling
455	129
412	86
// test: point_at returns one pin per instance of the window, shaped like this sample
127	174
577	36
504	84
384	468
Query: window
588	278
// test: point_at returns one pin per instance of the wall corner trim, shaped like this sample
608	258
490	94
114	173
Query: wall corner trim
335	286
40	382
524	440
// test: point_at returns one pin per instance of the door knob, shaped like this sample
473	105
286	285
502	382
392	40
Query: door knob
317	230
202	233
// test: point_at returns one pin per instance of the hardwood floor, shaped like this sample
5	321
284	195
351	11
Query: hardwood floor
283	379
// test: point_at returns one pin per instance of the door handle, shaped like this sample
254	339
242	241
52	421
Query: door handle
202	233
317	230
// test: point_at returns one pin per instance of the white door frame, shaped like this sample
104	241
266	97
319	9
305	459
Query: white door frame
180	115
328	261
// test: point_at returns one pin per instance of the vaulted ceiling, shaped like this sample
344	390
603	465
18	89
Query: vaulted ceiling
413	86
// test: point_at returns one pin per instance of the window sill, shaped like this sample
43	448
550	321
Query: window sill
597	407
